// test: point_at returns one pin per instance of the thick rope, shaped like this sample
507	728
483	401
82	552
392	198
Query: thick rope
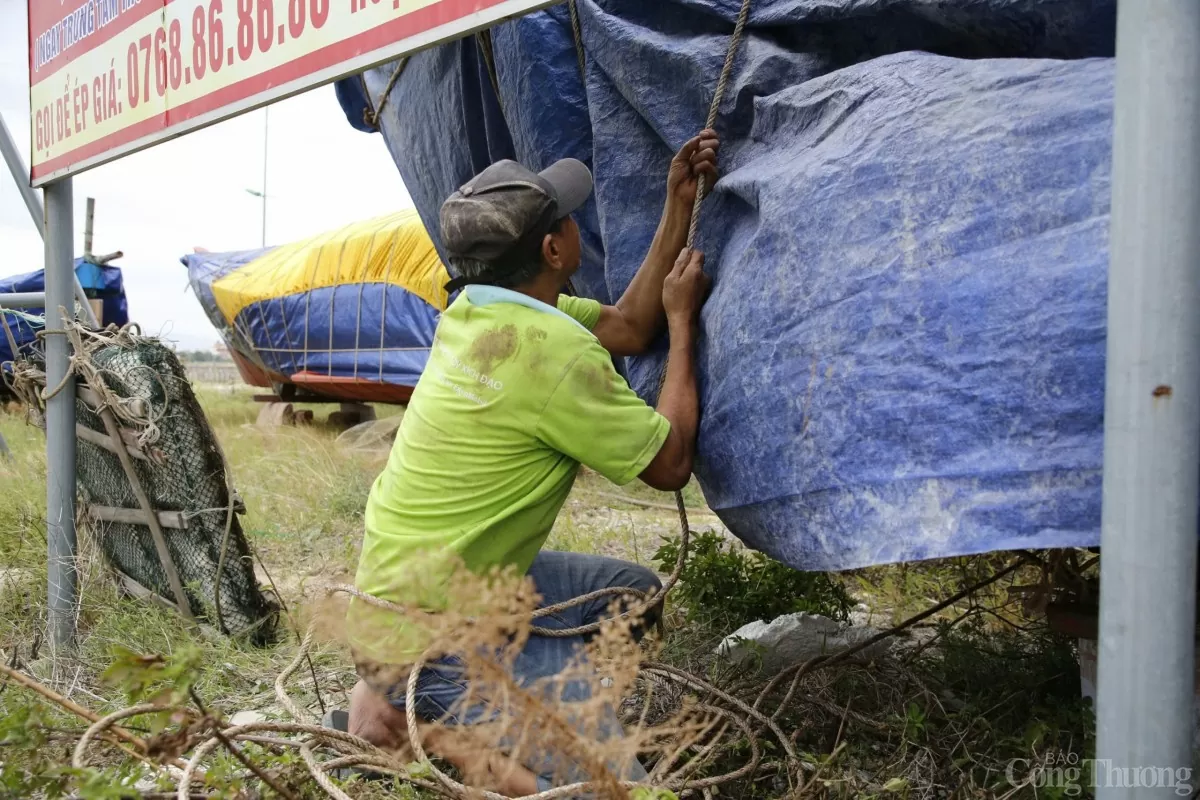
359	752
649	601
374	110
719	705
577	35
365	753
78	758
29	382
739	29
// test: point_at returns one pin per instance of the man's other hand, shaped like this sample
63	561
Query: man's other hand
697	157
686	288
684	291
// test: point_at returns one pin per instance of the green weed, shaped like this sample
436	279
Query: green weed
726	585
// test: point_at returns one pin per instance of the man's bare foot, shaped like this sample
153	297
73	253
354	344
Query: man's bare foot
373	718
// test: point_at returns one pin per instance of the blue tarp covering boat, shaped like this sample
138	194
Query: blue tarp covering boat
100	282
903	354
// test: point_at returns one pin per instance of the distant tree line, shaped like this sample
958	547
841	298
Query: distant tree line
200	356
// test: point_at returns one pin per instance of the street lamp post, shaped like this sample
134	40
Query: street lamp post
263	197
262	194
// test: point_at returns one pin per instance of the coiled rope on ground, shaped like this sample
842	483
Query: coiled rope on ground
351	751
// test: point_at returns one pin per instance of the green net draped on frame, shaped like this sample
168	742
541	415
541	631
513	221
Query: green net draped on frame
185	472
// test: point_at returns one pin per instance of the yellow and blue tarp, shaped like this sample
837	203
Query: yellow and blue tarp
359	303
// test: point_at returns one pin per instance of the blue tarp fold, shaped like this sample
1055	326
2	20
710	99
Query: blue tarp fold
903	355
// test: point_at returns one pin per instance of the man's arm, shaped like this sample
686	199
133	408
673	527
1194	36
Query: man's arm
629	327
683	293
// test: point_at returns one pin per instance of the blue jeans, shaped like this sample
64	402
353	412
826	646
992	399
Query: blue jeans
558	577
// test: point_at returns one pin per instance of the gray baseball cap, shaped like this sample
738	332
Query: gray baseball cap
506	210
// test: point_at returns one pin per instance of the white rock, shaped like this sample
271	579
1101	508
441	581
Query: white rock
15	579
793	639
247	718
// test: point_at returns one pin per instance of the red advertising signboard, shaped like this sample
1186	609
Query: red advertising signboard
107	77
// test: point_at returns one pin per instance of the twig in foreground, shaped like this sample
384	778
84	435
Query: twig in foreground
263	776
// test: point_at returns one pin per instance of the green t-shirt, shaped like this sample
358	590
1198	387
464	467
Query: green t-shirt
515	396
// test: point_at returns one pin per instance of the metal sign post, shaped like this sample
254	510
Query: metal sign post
1152	407
56	226
60	416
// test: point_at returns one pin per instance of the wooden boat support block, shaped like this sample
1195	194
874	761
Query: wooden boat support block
134	516
1072	619
1080	620
86	434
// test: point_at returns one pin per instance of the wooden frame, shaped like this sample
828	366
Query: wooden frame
133	516
86	434
145	514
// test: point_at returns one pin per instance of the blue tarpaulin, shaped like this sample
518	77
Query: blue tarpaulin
99	282
903	354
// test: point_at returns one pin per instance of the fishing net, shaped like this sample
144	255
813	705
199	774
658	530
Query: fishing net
180	467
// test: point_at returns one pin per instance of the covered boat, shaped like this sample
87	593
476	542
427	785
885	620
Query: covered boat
103	284
903	354
345	315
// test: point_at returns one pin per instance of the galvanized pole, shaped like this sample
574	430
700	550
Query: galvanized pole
60	417
1152	407
23	299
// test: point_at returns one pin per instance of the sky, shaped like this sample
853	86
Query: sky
161	203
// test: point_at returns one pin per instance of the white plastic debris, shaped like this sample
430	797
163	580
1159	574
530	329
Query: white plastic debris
794	639
375	434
